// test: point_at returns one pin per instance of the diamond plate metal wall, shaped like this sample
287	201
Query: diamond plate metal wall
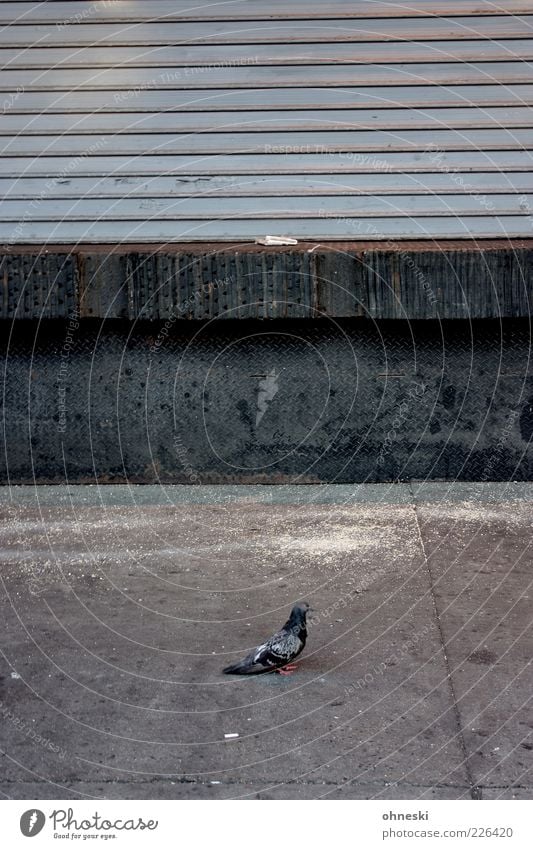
283	401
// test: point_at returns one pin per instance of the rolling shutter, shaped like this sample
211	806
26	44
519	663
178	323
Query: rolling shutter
169	121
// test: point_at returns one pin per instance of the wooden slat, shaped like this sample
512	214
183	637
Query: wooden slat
266	54
379	97
216	208
176	10
247	76
283	143
249	185
100	123
422	29
315	229
301	163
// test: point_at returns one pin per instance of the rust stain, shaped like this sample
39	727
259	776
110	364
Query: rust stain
206	248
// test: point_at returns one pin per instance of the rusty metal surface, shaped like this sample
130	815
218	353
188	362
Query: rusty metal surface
416	281
41	286
209	246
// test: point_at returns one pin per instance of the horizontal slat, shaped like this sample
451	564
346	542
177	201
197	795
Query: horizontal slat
100	123
157	187
283	143
279	98
264	54
247	76
131	10
302	163
316	229
216	208
296	118
421	29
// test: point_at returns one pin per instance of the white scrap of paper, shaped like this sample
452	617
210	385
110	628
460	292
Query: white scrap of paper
276	240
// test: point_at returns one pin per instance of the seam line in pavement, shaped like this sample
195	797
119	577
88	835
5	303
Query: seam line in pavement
283	782
475	790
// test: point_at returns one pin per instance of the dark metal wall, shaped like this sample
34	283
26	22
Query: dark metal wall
296	401
416	280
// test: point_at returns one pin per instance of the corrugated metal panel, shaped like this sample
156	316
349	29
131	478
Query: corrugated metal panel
354	227
509	184
258	121
273	32
419	280
294	207
269	163
272	54
168	121
425	73
280	142
243	99
183	10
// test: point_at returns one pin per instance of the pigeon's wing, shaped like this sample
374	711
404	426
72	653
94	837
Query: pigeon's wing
279	650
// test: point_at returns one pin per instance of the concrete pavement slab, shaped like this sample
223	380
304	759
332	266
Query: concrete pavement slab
479	553
119	616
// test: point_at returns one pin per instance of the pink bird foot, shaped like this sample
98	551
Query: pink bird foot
287	670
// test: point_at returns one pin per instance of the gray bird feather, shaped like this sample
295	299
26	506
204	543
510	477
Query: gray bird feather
279	650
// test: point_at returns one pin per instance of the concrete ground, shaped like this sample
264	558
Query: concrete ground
120	605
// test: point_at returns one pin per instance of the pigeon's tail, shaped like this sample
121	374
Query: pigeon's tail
246	667
243	667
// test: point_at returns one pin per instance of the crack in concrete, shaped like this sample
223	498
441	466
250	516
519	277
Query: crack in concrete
475	789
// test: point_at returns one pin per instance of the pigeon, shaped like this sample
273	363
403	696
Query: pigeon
279	650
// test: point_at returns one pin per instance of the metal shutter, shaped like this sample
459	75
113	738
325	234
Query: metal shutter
168	121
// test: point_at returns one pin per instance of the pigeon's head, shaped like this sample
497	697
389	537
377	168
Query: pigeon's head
296	621
299	611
